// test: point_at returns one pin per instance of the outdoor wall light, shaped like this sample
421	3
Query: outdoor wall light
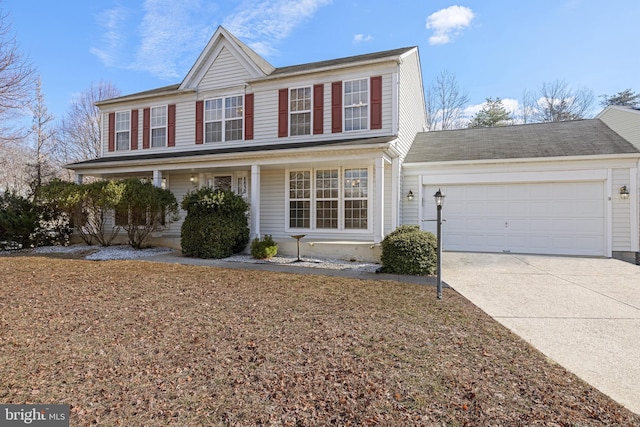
410	196
192	179
624	192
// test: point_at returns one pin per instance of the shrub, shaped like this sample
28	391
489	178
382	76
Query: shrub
216	224
18	221
265	248
409	250
145	208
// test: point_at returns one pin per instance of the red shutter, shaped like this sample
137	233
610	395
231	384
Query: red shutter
248	116
336	107
134	129
318	109
112	131
376	102
283	113
171	125
199	122
146	127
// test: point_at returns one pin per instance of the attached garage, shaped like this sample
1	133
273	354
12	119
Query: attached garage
547	188
564	218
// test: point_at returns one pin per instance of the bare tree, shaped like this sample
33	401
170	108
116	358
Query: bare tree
43	134
80	128
527	107
17	78
558	102
445	102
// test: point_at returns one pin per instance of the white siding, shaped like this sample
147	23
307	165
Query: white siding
185	125
621	211
410	209
179	186
412	114
272	207
225	71
624	121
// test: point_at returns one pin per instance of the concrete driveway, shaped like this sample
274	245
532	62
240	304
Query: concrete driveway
583	313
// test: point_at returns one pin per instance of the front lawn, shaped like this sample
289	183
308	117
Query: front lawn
138	343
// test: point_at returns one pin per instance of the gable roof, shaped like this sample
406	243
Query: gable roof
557	139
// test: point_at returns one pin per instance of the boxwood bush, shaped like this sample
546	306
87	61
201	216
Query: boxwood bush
216	224
409	250
265	248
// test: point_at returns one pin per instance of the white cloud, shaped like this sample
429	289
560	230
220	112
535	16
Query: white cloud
113	37
166	36
168	31
264	23
448	22
359	38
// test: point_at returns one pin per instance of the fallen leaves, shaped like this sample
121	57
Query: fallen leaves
127	342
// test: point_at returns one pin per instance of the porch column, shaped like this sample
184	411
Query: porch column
378	201
255	201
157	178
78	178
396	196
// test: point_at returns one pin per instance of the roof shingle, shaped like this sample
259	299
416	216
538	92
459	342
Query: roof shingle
557	139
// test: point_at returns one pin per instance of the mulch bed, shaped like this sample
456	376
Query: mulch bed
143	343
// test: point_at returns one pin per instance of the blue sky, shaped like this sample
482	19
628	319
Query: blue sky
494	48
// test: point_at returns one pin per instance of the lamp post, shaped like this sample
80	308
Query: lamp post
439	202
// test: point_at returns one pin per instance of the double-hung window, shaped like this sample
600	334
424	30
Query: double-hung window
356	105
123	128
329	199
223	119
300	111
159	126
300	199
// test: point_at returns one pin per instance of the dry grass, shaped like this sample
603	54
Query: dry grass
141	343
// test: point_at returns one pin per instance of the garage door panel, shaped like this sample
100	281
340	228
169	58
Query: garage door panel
548	218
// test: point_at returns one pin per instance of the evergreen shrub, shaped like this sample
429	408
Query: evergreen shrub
409	250
216	224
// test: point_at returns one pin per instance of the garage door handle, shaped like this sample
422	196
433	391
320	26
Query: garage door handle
506	224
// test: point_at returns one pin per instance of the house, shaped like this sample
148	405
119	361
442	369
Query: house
331	150
568	188
315	148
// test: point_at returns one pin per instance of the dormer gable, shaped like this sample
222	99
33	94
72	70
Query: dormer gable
223	54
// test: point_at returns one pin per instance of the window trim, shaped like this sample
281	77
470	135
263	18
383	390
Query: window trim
224	119
166	126
290	113
345	106
341	201
116	131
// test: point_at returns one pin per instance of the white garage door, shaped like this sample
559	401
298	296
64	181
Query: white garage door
566	218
